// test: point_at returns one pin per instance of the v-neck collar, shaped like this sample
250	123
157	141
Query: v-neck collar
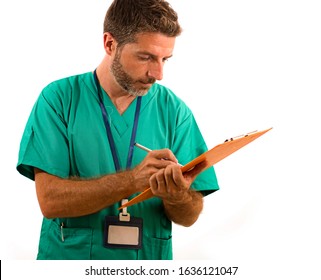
120	123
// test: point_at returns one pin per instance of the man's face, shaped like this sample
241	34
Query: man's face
137	66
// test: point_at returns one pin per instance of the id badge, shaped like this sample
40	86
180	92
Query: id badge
123	231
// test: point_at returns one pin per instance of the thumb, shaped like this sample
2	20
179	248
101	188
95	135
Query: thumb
195	171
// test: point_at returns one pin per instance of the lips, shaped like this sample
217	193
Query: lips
148	82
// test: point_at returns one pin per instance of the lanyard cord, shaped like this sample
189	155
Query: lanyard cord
133	138
108	129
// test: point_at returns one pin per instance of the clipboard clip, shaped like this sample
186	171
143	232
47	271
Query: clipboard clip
240	136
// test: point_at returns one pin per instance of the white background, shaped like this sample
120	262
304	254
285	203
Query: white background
240	66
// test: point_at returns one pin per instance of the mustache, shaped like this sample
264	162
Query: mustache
148	81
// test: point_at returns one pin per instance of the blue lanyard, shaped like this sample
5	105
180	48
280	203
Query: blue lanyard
108	129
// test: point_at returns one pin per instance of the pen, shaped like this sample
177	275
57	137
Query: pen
148	150
142	147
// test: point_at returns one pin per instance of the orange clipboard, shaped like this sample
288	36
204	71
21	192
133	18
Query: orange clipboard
211	157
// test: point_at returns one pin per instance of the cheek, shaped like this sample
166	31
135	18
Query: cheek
134	68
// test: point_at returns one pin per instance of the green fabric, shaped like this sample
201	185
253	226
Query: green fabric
65	136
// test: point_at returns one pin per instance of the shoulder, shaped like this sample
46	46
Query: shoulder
68	84
61	92
61	96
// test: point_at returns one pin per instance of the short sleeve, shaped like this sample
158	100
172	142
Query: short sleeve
44	143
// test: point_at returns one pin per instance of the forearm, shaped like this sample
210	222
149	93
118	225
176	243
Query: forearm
76	197
185	212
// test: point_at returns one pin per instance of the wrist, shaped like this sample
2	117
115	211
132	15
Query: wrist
131	183
184	198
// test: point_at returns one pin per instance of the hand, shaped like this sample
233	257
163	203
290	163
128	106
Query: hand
171	185
152	163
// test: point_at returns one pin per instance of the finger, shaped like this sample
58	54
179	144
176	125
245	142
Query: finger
160	163
170	183
161	181
176	184
177	176
164	154
153	184
157	183
192	174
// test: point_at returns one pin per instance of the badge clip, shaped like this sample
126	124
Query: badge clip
124	216
123	231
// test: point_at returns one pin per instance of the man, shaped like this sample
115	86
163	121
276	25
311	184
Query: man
78	146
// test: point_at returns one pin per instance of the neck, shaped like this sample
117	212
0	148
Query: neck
122	103
120	98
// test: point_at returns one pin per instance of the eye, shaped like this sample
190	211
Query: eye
144	57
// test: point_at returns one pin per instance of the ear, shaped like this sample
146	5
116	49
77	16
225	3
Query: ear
109	43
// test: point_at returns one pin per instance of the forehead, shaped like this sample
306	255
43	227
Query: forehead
154	43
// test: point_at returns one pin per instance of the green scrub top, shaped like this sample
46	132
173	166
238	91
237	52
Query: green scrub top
66	136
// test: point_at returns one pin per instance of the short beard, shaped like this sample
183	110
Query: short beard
125	81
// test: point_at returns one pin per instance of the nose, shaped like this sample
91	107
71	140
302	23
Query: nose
156	71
